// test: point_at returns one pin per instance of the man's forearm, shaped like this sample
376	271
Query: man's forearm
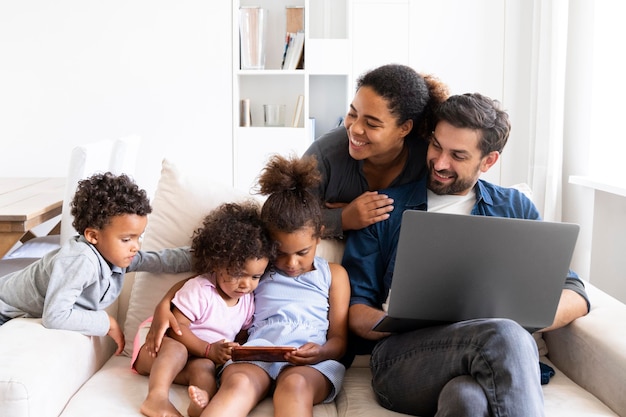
362	318
571	306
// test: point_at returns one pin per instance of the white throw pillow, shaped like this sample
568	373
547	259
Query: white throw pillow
180	203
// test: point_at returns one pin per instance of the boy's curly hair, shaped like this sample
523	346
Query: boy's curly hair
103	196
230	235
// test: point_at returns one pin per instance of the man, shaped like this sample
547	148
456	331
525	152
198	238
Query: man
486	367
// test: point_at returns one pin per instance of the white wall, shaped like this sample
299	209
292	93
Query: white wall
594	146
76	71
469	58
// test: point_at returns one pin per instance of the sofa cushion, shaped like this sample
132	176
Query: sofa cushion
180	203
40	369
592	351
120	392
562	396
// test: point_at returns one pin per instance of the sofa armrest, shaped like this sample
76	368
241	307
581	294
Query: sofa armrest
592	349
40	369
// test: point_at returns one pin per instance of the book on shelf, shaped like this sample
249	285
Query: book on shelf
293	56
245	118
294	48
297	114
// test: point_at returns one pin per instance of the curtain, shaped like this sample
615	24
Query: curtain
548	70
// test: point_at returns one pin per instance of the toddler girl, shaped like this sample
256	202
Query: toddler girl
230	252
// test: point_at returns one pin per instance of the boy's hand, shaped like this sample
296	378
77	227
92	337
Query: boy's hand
116	334
162	320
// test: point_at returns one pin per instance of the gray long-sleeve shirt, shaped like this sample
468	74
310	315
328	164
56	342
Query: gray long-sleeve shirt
69	288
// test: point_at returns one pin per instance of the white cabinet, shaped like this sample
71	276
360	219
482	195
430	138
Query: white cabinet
325	82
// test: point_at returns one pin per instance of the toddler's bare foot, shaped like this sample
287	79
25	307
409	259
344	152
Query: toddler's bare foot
159	407
199	400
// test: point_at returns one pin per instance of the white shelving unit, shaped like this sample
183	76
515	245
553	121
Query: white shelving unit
325	82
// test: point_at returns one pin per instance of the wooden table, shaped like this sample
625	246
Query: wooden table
26	203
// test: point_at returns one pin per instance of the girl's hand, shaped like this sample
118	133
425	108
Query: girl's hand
162	320
365	210
220	352
307	354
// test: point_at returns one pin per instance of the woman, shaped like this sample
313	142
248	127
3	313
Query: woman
380	145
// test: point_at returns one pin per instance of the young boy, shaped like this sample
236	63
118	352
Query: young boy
69	288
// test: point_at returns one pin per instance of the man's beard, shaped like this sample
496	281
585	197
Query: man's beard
457	186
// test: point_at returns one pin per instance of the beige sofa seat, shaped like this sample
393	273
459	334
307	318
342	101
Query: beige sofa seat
563	397
41	369
48	373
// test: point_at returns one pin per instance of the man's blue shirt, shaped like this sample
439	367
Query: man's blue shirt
370	253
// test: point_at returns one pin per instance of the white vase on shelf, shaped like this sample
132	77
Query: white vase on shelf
252	34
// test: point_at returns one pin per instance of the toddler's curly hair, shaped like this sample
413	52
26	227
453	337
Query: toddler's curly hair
103	196
230	235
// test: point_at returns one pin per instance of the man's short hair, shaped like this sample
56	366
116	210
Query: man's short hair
477	112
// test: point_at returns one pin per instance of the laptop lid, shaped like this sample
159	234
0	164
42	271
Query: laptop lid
452	267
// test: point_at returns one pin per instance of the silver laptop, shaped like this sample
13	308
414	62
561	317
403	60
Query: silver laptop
452	267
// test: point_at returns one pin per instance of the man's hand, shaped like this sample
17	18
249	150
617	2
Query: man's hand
116	334
365	210
362	318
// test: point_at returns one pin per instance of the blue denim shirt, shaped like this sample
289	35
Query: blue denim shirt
370	253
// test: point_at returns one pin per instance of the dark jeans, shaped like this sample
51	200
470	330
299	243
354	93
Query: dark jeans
473	368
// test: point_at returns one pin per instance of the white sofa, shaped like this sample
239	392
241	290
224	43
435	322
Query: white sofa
59	373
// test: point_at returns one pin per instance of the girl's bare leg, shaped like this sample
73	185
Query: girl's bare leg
199	374
243	385
162	370
298	388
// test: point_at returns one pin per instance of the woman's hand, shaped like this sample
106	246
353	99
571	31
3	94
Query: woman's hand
365	210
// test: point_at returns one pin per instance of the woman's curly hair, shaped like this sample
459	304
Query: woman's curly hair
409	94
290	205
103	196
230	235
